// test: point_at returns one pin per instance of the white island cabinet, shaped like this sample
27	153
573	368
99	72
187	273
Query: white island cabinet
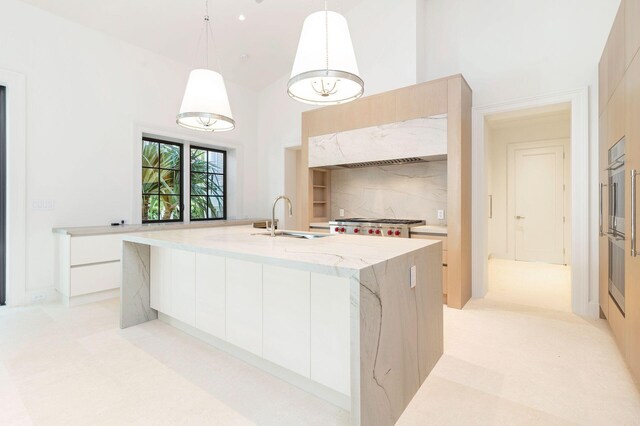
338	316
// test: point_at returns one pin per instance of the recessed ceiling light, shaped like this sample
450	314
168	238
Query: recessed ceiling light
242	17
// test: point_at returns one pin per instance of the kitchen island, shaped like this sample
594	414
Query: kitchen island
354	320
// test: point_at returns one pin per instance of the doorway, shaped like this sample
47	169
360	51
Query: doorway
529	223
3	195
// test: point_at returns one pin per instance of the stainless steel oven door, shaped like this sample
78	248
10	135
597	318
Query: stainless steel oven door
616	188
616	270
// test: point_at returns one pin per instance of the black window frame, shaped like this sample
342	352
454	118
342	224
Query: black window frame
159	168
224	183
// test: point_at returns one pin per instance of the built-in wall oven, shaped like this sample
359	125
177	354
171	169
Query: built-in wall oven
616	225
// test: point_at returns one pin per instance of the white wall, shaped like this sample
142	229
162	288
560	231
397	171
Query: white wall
510	50
384	38
86	95
500	136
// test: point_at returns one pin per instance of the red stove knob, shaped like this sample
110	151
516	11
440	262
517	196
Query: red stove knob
378	232
389	232
342	230
337	229
357	230
397	233
370	231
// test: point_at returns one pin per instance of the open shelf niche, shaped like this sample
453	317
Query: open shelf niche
320	188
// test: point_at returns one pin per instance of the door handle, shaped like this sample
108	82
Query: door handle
490	206
602	185
519	217
634	174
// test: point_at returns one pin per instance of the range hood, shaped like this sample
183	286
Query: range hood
407	142
395	162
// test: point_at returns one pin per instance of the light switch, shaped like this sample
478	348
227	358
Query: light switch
414	278
341	212
441	214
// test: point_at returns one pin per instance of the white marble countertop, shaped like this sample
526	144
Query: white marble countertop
333	254
429	230
148	227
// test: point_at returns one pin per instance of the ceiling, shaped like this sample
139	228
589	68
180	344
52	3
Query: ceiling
268	37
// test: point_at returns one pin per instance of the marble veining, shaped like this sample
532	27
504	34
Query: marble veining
421	137
396	330
410	191
134	293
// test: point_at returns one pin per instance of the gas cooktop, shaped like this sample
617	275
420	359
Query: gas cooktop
374	227
381	221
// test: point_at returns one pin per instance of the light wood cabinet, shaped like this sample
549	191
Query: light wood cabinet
619	118
451	96
616	116
616	51
244	304
286	318
631	29
632	280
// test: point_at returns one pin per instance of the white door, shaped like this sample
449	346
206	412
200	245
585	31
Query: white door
538	178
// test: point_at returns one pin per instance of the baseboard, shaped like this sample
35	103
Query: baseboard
304	383
45	295
91	297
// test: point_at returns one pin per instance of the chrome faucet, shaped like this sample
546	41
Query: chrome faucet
273	213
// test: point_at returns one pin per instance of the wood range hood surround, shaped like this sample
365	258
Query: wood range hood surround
449	98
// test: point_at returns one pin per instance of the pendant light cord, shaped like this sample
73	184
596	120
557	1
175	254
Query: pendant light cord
326	32
207	27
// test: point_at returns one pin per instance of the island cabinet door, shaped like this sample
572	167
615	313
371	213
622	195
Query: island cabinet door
210	294
330	332
160	279
183	286
244	304
286	318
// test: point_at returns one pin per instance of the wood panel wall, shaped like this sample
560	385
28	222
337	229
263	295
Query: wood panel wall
619	106
452	96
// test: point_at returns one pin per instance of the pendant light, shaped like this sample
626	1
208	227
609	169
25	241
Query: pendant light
325	71
205	105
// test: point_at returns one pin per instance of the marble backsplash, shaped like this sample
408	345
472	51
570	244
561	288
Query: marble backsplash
409	191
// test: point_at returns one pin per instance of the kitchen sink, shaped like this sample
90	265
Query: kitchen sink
295	234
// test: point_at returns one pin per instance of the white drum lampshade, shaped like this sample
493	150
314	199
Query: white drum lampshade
205	105
325	71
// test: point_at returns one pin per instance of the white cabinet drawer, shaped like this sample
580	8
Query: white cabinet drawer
330	332
93	278
183	286
210	294
286	318
95	249
244	305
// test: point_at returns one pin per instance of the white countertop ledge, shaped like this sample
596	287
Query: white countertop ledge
335	254
82	231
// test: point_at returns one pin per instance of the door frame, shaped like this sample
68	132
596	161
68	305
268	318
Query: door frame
16	276
584	295
512	149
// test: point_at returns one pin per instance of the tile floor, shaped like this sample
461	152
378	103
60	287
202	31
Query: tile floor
508	361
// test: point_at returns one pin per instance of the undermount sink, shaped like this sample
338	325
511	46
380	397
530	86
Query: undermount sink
296	234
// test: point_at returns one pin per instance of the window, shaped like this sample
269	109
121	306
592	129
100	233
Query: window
208	184
161	181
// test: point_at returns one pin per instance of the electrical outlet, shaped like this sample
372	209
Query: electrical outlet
43	204
341	212
441	214
37	297
414	278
